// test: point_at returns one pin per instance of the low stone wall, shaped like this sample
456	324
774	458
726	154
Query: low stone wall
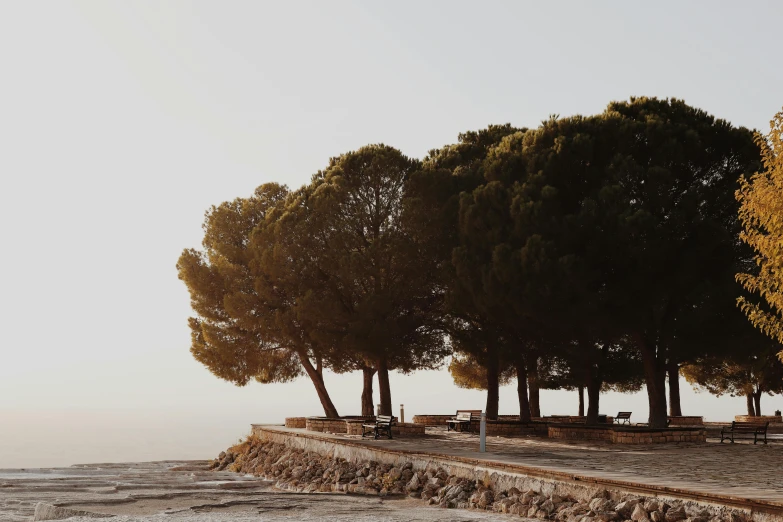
569	419
506	428
408	429
432	420
573	431
296	422
353	427
405	429
627	434
686	420
772	419
662	436
324	424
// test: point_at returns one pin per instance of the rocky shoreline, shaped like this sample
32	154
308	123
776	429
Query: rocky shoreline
308	472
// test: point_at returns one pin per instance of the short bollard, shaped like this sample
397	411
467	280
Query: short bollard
483	433
402	413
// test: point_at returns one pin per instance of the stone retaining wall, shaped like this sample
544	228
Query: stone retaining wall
772	419
627	435
296	422
324	424
502	477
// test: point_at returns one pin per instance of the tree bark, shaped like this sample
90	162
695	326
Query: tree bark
751	408
534	390
593	388
757	401
383	386
316	376
675	408
655	379
581	392
367	406
524	402
493	383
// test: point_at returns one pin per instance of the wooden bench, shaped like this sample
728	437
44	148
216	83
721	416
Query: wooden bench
748	428
623	417
383	424
463	418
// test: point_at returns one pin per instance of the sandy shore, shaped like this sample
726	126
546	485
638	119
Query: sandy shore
186	492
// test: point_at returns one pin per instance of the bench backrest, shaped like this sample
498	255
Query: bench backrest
469	414
385	419
623	415
749	425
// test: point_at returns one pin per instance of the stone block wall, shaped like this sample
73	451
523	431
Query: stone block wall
505	428
325	425
686	420
432	420
772	419
648	436
627	435
405	429
576	432
296	422
408	429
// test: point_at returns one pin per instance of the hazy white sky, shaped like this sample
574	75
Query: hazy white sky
120	123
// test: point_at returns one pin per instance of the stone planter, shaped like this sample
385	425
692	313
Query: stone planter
432	420
686	420
628	434
324	424
772	419
296	422
404	429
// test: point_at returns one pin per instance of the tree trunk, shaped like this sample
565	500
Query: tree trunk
757	401
751	408
493	383
383	387
534	390
316	376
593	388
675	408
581	392
367	406
655	379
524	403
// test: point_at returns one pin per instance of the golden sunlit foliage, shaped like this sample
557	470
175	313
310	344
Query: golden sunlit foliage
761	212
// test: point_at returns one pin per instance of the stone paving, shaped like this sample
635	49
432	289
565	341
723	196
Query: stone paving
738	470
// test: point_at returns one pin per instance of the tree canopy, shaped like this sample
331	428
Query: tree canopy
761	212
591	252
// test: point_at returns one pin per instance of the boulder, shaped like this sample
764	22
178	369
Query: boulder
626	508
675	514
485	499
639	514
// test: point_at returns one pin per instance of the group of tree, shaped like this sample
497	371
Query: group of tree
590	253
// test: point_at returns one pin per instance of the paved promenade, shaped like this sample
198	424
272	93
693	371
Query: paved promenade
738	471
